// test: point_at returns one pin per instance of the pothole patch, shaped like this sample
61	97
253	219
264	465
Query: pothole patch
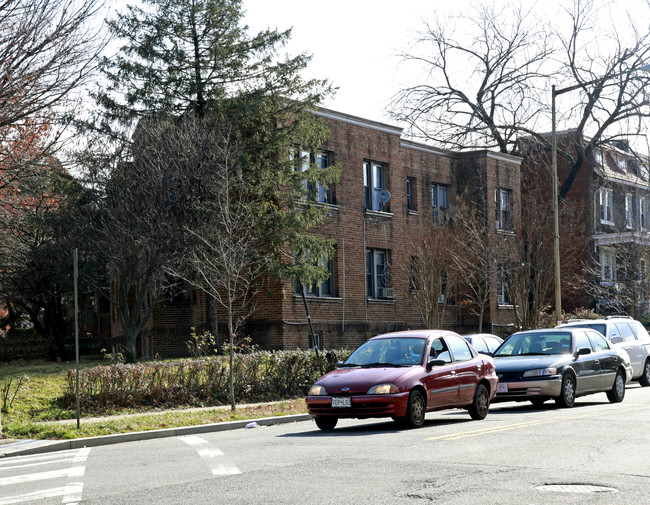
576	488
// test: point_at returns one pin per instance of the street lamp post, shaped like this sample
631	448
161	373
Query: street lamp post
556	211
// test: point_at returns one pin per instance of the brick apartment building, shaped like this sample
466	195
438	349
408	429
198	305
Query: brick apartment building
364	295
609	206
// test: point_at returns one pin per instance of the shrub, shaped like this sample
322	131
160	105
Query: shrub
258	376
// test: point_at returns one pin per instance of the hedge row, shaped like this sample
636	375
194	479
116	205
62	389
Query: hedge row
258	376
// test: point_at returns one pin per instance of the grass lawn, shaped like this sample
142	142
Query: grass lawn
38	413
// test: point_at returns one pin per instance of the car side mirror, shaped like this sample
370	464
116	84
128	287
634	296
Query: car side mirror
338	364
583	351
616	340
436	362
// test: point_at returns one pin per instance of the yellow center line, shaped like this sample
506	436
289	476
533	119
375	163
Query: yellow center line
526	424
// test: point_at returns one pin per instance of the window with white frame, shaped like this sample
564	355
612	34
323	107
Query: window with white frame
607	265
629	215
620	161
439	203
643	213
374	181
502	285
316	192
606	201
598	156
503	205
377	274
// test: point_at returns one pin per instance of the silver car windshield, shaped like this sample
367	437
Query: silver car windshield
388	352
534	344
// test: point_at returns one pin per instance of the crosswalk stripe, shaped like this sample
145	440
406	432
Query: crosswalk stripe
213	457
36	495
75	471
46	459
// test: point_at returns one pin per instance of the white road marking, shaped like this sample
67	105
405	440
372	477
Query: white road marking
75	471
70	493
36	495
213	457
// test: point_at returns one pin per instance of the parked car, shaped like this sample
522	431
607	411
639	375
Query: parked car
403	375
485	343
560	363
624	332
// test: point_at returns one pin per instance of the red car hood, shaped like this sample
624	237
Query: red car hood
360	380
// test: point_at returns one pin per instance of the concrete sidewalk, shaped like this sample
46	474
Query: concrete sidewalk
24	447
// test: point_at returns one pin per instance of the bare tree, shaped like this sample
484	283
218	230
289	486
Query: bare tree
432	275
223	256
484	76
479	251
48	49
512	62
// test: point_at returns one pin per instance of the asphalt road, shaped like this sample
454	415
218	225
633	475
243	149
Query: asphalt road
594	453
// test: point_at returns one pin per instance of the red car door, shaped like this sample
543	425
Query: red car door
469	369
440	379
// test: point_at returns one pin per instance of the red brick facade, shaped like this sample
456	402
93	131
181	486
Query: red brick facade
350	316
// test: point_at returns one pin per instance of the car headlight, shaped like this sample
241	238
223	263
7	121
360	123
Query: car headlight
383	389
540	372
317	390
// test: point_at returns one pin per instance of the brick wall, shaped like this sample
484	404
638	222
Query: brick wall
350	317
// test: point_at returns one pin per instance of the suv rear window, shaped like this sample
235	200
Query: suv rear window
598	327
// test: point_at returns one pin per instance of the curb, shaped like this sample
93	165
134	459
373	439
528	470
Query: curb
28	447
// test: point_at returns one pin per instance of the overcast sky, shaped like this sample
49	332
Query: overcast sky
354	43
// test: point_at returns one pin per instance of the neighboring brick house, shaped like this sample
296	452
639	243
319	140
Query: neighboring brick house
610	204
371	234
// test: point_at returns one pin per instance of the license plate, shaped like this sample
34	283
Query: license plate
341	401
502	388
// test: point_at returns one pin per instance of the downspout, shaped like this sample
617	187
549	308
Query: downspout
365	269
343	287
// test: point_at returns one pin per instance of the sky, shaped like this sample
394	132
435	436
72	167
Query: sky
354	43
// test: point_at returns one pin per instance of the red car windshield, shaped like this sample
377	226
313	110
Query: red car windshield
388	352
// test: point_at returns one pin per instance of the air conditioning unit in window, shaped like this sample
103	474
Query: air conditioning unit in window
385	292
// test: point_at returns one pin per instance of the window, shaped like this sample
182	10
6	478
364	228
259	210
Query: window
598	342
607	266
377	274
620	161
442	296
410	193
323	289
606	200
316	192
374	181
439	203
492	343
502	285
629	219
642	267
503	202
439	350
643	213
460	349
626	332
581	340
598	156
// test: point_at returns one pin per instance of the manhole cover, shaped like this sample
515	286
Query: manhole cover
576	488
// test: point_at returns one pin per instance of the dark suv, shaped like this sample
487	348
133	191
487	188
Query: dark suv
624	332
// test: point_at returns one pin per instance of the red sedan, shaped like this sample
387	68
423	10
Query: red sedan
404	375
